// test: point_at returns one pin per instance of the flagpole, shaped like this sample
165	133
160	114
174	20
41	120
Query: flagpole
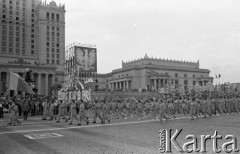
219	76
216	81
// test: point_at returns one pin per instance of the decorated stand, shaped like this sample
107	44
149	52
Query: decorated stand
80	72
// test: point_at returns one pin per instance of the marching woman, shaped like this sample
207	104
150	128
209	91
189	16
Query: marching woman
82	113
13	117
61	111
11	114
16	114
46	106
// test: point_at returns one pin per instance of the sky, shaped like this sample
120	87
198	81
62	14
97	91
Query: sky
190	30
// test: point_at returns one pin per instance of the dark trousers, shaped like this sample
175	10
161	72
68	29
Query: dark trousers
20	113
25	115
1	112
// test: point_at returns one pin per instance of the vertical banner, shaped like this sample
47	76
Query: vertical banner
86	64
80	66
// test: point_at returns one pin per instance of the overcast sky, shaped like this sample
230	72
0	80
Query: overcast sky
204	30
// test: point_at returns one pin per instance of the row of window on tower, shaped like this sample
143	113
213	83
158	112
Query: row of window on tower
18	9
53	43
10	39
14	38
53	17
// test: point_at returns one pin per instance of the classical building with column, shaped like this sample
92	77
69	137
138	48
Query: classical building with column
43	75
32	36
153	74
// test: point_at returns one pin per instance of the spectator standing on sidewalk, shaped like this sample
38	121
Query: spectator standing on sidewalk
32	107
55	110
1	109
19	105
25	109
16	114
11	112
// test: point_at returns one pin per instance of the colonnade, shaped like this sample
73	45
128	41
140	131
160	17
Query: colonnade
123	85
43	81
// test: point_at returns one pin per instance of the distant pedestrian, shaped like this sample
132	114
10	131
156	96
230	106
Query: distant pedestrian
46	106
1	110
25	108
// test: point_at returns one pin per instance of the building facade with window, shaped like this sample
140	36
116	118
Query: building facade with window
154	74
32	36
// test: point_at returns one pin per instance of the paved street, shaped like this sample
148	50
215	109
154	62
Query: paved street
121	136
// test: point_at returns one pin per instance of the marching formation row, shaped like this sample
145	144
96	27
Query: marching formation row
140	108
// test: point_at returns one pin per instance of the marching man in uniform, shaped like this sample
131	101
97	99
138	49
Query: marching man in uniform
193	109
105	113
82	113
97	110
162	111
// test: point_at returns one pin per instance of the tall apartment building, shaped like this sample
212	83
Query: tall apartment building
32	36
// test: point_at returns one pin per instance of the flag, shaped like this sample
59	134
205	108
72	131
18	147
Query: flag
18	83
219	75
81	85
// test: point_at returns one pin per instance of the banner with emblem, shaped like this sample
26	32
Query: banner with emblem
81	70
86	59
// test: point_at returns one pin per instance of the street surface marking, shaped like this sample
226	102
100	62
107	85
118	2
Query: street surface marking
42	136
98	125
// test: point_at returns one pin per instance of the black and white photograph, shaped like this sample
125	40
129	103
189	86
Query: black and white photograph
119	76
